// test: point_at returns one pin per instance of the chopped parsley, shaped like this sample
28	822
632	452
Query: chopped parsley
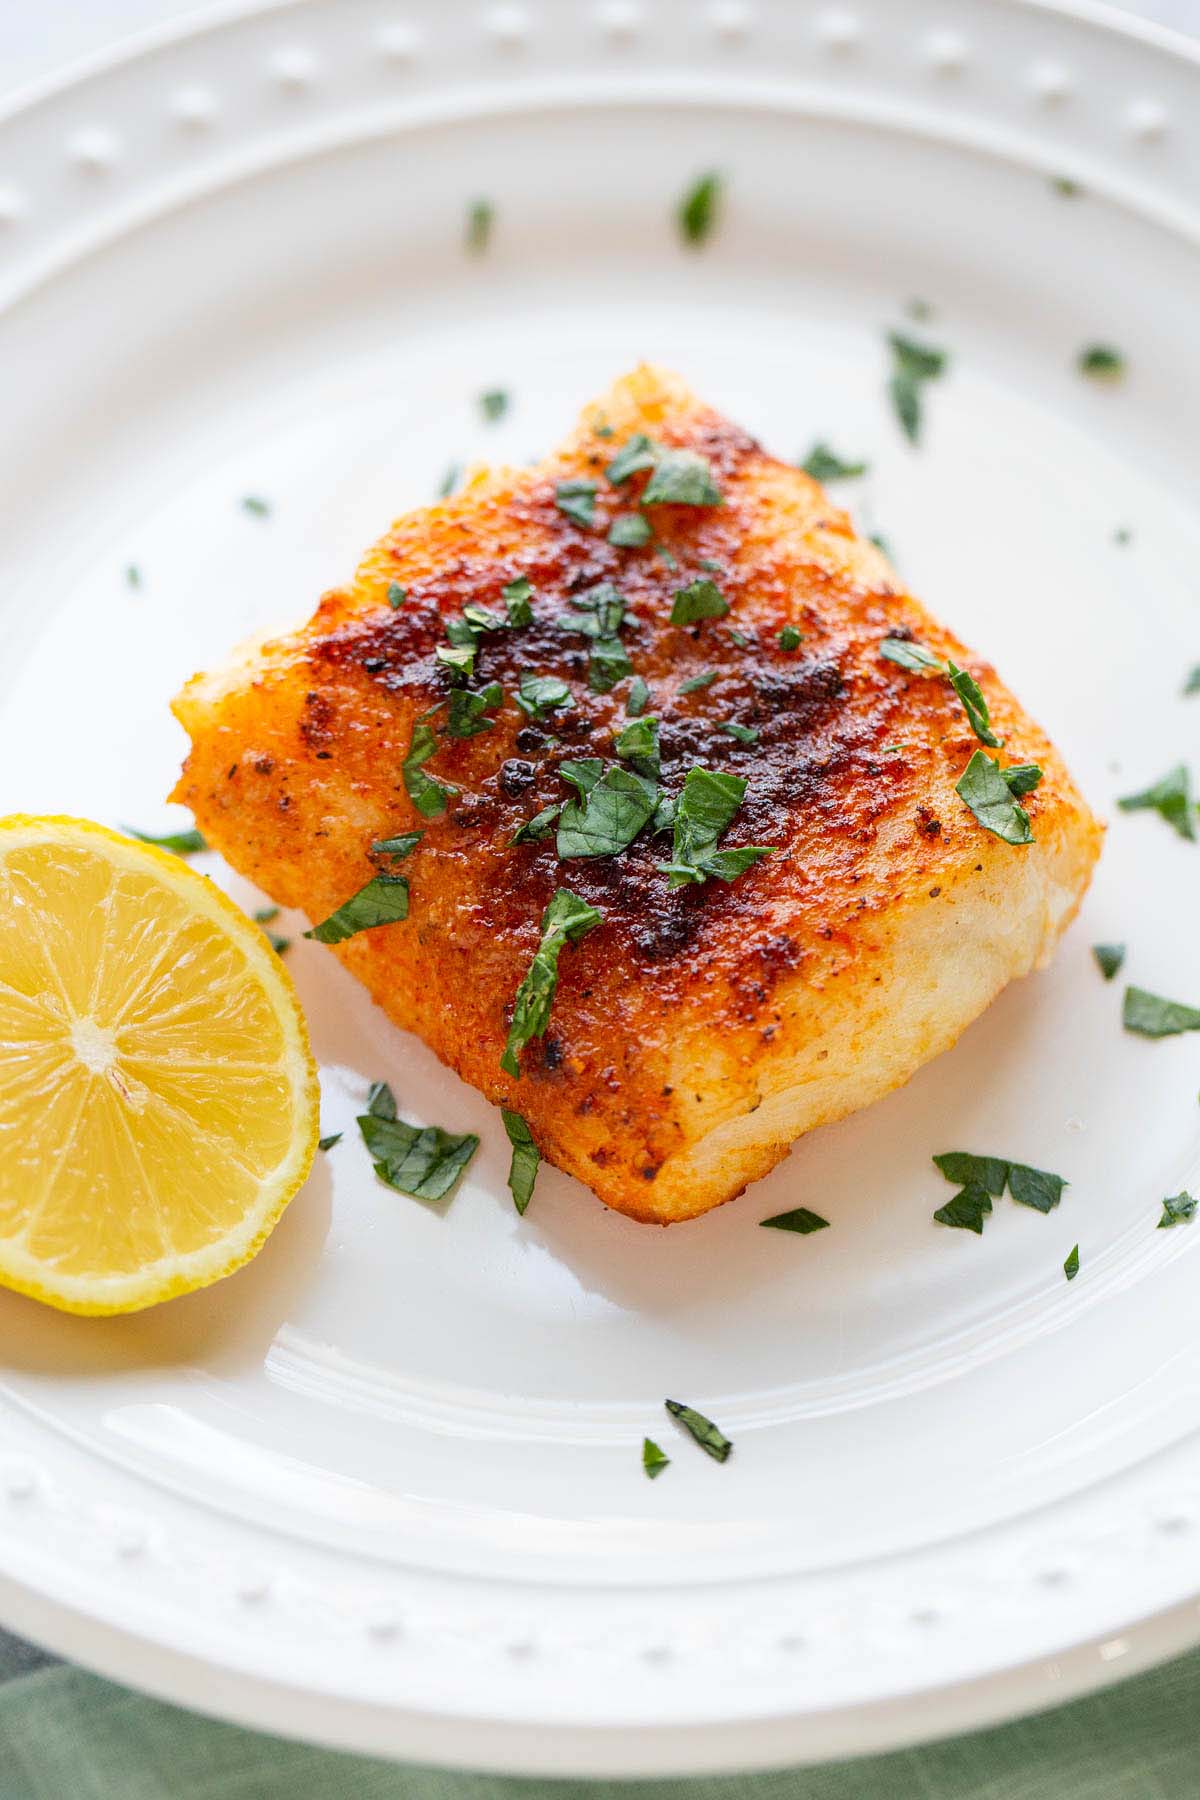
537	828
383	901
913	365
908	654
629	531
179	843
481	216
638	698
1022	778
576	500
701	599
1192	684
681	478
709	1436
638	746
918	659
1151	1016
967	1210
564	921
265	914
823	464
741	734
401	845
1100	362
637	453
696	214
458	659
133	576
702	812
603	610
1066	187
381	1102
1109	958
421	1160
790	638
983	789
1071	1266
523	1168
984	1179
654	1461
538	695
466	715
612	808
327	1143
517	596
696	682
1170	798
450	481
256	506
799	1219
430	797
396	595
1178	1209
493	404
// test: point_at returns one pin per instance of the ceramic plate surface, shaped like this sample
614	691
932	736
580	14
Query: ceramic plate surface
384	1487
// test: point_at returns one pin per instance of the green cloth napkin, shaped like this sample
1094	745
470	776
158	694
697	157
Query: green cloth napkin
65	1735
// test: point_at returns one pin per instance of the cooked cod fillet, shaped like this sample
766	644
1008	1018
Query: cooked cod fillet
698	1029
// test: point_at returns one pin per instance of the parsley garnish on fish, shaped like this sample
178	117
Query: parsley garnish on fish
523	1167
654	1461
823	464
458	659
637	453
576	499
1170	798
1109	958
465	717
179	843
603	611
696	214
1071	1266
420	1160
983	789
910	655
741	734
493	404
701	599
383	901
790	638
696	682
638	746
1149	1015
918	659
629	531
481	216
638	698
540	694
1021	778
709	1436
517	596
1177	1209
703	811
681	478
1100	362
430	797
396	595
799	1219
913	365
537	828
401	845
566	919
609	815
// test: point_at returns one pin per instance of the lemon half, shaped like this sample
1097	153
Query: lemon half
158	1097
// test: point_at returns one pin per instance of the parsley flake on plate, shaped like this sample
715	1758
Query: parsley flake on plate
1149	1015
133	576
823	464
702	813
710	1437
1100	362
383	901
450	481
1178	1209
327	1143
799	1219
576	500
256	506
967	1210
984	1178
1109	958
1071	1266
566	919
696	214
1192	684
179	843
700	599
523	1167
1170	798
494	404
983	789
654	1460
913	365
420	1160
481	216
430	797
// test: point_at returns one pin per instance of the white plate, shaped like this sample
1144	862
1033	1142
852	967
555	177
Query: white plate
384	1488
